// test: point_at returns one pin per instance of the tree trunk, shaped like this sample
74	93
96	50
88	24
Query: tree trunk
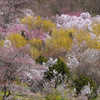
5	91
5	96
8	95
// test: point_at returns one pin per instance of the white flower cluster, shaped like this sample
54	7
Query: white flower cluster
84	21
98	90
50	63
72	61
7	43
55	72
90	55
96	19
86	90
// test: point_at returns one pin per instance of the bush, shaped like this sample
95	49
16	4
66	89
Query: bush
38	23
56	39
17	40
36	43
61	68
41	59
83	81
59	71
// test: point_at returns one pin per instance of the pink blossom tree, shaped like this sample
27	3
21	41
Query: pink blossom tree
14	63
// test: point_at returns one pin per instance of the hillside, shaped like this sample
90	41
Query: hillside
49	50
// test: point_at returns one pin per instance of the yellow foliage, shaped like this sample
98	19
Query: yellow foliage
86	37
29	21
38	22
98	42
48	26
82	36
61	58
2	43
96	29
36	43
35	53
17	40
60	39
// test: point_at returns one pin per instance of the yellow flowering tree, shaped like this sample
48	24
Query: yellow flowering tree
36	43
48	26
60	39
96	31
17	40
36	47
2	43
39	23
28	21
84	36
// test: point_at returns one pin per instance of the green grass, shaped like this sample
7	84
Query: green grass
17	96
26	97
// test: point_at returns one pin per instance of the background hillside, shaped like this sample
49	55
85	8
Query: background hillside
49	50
52	7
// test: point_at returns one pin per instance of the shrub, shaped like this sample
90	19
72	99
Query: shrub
58	71
36	46
48	26
41	59
36	43
61	68
60	39
35	53
17	40
59	43
38	23
2	42
28	21
83	81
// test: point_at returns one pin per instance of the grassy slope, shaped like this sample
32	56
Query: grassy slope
23	97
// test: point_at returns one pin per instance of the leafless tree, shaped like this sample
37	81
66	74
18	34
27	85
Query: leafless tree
9	11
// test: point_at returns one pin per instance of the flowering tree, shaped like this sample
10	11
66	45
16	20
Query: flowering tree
14	63
9	11
83	21
57	70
